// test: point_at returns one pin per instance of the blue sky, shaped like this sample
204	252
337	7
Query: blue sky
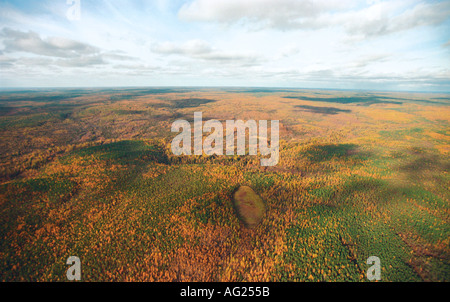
344	44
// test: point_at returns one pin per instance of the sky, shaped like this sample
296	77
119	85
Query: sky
401	45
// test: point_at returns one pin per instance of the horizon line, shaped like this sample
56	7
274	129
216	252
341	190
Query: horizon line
20	88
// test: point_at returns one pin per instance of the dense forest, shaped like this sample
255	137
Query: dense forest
90	173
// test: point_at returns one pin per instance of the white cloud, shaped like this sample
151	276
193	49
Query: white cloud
201	50
379	18
31	42
275	13
55	51
388	17
189	48
371	59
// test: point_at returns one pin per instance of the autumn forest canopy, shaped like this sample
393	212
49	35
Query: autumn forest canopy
89	172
